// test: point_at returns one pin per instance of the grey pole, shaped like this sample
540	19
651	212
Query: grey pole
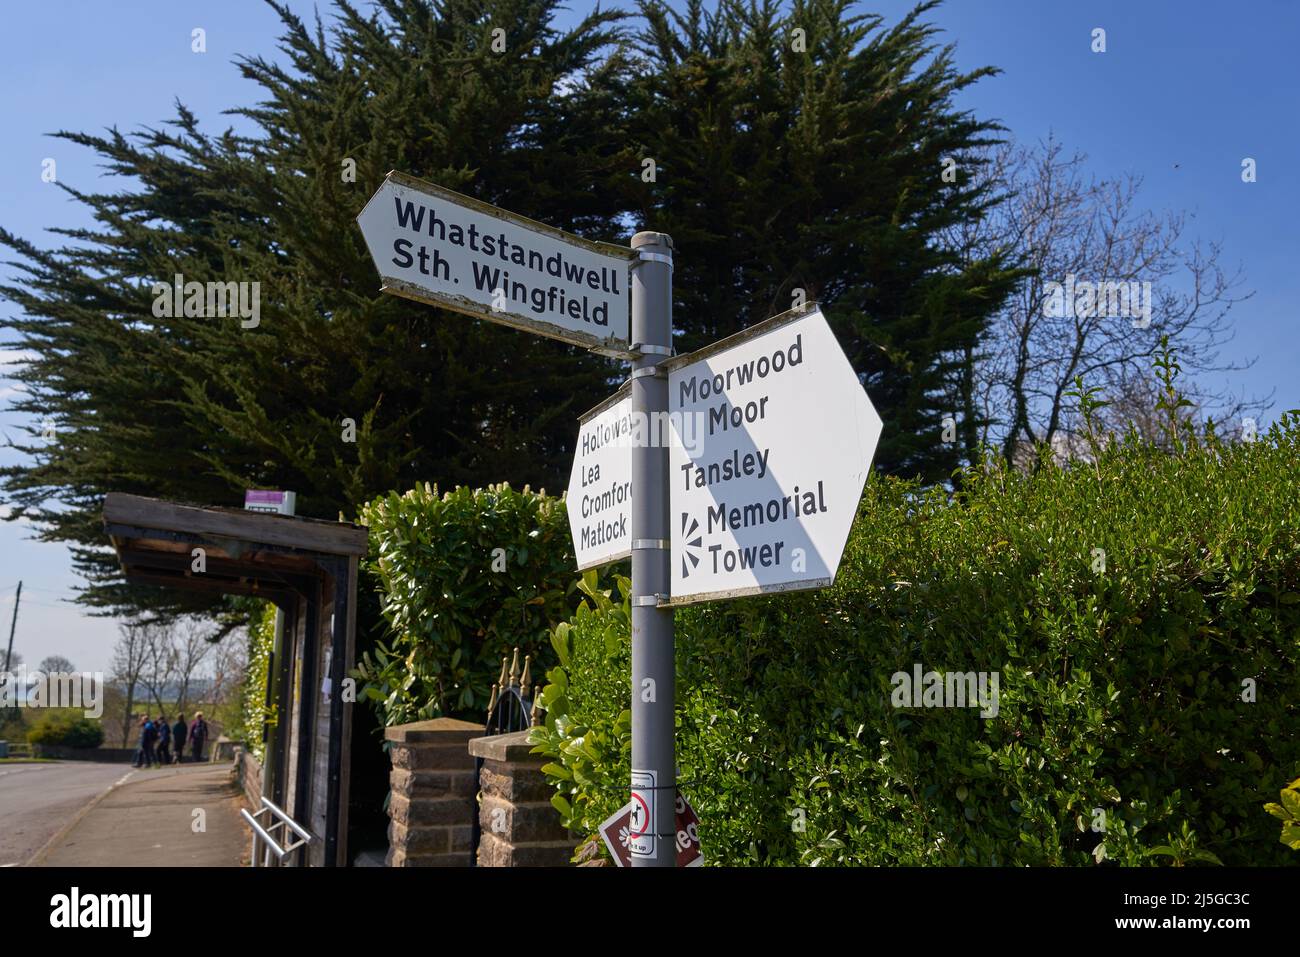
13	625
653	675
9	654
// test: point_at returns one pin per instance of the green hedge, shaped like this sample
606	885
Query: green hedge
251	712
1119	689
67	728
465	577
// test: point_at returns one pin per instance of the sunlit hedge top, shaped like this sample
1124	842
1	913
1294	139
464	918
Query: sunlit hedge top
465	576
1142	614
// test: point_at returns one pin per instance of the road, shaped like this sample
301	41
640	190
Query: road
36	800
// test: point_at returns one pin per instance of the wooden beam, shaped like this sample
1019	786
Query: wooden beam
308	534
277	594
291	570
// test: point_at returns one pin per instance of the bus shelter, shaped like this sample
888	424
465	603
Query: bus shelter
308	568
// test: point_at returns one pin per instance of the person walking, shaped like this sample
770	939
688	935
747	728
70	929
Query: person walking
178	738
142	755
148	738
198	736
164	740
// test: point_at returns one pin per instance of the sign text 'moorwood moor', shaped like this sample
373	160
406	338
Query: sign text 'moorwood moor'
437	246
763	496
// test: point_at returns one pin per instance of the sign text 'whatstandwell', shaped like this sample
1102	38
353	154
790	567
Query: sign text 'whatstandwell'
437	246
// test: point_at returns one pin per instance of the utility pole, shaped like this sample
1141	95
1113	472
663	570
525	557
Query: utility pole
654	765
12	625
7	677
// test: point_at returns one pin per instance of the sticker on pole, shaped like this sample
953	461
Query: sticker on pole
774	439
616	831
436	246
641	820
600	484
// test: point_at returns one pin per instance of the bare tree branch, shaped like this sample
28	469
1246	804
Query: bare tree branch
1106	280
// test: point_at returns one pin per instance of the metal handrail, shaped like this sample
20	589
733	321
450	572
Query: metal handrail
290	822
281	820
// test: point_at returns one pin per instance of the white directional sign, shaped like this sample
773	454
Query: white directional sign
774	436
600	485
436	246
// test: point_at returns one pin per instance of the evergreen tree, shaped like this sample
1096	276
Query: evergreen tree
806	151
779	166
198	409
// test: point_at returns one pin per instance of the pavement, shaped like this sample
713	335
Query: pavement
180	816
36	800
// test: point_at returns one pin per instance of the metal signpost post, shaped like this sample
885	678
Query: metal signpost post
654	768
770	431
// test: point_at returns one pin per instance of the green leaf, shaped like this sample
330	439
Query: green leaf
1277	811
1291	836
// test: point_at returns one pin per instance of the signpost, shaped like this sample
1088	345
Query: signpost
775	438
436	246
735	470
600	484
654	761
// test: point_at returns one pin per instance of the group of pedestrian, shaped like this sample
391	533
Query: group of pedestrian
162	743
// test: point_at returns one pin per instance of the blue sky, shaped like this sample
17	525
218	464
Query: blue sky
1200	85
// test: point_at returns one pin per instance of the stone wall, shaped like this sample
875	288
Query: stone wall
249	772
519	827
431	799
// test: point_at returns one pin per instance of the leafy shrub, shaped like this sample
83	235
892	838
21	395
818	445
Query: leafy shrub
465	577
588	729
68	729
1288	811
252	712
1142	612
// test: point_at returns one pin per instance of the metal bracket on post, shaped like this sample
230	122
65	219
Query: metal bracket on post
646	256
654	371
645	349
